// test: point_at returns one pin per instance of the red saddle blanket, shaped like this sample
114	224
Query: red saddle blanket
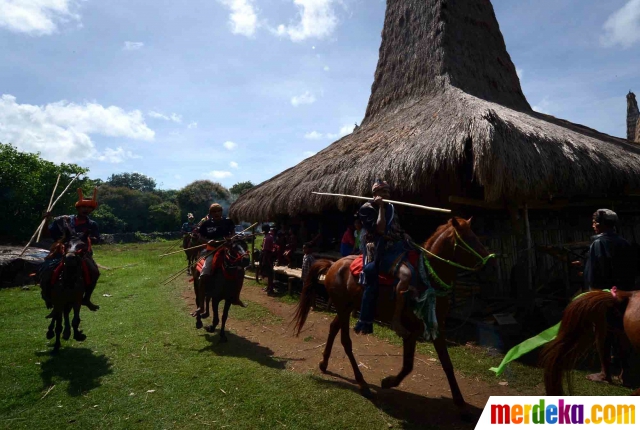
85	273
217	263
383	278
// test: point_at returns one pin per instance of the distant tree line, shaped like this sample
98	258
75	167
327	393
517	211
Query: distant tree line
128	202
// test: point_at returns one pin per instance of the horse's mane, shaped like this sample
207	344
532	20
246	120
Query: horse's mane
439	232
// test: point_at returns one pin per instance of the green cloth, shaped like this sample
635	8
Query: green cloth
530	344
527	346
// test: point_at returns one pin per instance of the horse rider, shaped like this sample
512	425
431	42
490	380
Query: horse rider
611	263
384	247
215	228
187	227
78	224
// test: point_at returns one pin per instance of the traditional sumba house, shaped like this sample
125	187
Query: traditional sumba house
448	125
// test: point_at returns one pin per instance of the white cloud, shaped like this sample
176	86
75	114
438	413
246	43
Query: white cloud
317	19
326	68
243	18
314	135
219	174
61	131
193	125
177	176
230	145
544	106
623	26
233	164
520	73
304	99
116	155
131	46
37	17
308	154
347	129
173	117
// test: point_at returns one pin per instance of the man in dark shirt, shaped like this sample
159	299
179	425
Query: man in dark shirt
80	223
611	263
611	260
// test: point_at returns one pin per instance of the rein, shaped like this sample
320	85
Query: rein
466	247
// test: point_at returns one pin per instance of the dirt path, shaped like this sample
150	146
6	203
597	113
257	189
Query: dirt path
422	399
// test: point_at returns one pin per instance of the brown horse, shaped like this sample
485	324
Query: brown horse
188	241
596	316
68	289
223	284
453	242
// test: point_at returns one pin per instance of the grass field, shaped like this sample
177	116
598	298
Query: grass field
144	366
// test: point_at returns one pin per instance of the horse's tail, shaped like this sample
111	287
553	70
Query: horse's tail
583	317
308	295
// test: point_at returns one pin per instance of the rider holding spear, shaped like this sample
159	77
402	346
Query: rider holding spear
215	227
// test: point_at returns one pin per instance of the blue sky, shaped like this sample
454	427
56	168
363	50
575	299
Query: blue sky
235	90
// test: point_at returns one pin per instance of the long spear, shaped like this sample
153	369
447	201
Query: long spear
204	244
49	207
411	205
41	226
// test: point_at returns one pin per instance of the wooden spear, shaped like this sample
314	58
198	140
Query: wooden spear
204	244
42	224
411	205
49	207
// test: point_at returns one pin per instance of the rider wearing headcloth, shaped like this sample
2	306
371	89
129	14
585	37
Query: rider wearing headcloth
384	247
215	228
78	224
611	260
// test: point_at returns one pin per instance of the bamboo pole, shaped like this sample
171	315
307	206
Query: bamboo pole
49	207
411	205
186	249
41	226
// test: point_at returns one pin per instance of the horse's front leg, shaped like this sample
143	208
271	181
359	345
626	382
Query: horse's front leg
52	324
216	320
66	334
348	349
77	333
443	354
58	319
408	357
225	315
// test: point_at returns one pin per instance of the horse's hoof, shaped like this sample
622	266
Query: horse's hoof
210	329
366	392
388	382
66	335
50	334
80	337
198	324
323	367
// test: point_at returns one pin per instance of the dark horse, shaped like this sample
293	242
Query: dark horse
596	316
452	243
68	285
223	284
188	241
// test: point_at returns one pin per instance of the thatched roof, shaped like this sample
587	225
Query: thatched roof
446	115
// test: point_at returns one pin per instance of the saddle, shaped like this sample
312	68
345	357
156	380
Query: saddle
387	279
220	261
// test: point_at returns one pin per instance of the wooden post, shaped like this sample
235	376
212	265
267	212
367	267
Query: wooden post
529	249
253	242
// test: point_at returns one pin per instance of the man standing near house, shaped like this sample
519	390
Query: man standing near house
611	263
611	260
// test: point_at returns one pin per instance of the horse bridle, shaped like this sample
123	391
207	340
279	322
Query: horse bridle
465	247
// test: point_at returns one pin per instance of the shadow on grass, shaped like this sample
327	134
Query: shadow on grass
243	348
80	366
415	411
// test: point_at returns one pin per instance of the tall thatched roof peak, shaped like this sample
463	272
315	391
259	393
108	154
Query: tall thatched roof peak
428	45
447	118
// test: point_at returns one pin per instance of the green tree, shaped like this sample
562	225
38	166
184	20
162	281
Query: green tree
241	187
131	206
26	184
197	196
165	216
133	181
107	221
